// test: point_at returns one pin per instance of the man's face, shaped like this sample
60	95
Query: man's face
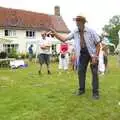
80	24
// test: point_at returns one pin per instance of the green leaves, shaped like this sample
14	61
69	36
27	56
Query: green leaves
112	29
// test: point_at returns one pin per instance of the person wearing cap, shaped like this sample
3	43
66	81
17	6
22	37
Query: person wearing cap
86	45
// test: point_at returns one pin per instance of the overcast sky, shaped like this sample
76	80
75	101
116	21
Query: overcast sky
97	12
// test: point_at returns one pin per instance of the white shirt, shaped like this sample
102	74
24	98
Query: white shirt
91	40
44	42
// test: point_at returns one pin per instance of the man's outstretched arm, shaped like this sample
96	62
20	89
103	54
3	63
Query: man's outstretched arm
61	37
57	35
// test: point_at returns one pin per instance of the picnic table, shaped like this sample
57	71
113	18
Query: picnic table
5	62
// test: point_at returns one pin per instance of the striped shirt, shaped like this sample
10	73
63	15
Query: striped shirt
91	39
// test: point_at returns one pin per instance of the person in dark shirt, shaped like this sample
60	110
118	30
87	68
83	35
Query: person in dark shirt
30	52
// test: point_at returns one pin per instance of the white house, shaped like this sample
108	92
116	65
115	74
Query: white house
24	27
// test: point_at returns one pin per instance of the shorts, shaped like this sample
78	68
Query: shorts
44	58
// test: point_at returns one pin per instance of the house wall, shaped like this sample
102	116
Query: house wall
1	46
23	41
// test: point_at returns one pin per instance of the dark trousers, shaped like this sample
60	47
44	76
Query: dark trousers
83	63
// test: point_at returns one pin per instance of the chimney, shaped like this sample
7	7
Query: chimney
57	10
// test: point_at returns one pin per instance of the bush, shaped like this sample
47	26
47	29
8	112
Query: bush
3	55
13	54
111	48
23	55
27	55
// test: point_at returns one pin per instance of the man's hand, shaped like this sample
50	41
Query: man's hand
52	30
94	60
51	33
57	35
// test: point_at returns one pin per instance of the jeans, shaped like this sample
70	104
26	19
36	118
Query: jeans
84	59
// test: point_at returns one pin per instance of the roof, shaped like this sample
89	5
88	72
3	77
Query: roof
21	19
58	23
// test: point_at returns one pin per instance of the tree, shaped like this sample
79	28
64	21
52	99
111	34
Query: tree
112	29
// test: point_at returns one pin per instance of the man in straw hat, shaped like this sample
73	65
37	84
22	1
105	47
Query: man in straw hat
87	50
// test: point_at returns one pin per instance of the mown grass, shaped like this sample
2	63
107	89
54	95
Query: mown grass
24	95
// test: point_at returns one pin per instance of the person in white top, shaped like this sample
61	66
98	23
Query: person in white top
44	52
63	57
101	65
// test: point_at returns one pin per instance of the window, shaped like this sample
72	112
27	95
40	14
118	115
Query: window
9	47
6	32
10	32
30	33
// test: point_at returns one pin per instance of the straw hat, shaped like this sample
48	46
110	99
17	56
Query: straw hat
80	18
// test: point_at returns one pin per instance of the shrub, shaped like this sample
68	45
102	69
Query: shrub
3	55
111	48
23	55
13	54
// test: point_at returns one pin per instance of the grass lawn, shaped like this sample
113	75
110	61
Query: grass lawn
24	95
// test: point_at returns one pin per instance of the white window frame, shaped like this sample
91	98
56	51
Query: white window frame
11	33
30	34
10	46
